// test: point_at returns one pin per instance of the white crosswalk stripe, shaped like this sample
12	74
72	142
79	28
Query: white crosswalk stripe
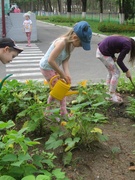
26	65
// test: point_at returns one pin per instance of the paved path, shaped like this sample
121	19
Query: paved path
83	64
26	65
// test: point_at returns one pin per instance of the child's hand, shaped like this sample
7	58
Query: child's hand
68	79
128	75
115	59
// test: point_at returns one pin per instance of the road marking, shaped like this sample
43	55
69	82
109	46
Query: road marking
26	65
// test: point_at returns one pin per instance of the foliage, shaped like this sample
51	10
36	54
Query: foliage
131	109
19	100
59	19
19	155
129	9
17	162
81	127
115	28
125	86
63	20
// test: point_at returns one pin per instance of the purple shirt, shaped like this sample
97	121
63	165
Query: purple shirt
116	44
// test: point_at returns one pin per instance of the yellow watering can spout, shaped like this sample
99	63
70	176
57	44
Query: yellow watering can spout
60	89
71	93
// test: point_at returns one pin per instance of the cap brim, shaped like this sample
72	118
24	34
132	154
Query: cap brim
18	49
86	46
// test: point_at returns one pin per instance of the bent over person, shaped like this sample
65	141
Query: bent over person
106	54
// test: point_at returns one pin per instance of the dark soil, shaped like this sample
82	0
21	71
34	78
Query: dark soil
109	160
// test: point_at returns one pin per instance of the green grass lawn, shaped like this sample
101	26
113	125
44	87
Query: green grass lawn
65	21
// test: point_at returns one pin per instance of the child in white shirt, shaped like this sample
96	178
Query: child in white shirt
27	25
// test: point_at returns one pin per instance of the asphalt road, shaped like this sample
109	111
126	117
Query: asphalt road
83	64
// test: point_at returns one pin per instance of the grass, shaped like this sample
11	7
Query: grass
65	21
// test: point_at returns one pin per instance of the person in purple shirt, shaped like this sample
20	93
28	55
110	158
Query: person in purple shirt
106	53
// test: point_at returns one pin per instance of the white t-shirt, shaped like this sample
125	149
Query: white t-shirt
27	25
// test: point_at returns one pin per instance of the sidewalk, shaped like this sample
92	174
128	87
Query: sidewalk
83	64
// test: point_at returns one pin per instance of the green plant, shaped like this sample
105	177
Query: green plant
3	80
17	162
34	118
23	101
81	127
131	108
125	86
115	28
115	150
64	21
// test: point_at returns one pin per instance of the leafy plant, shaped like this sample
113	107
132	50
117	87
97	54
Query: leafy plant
125	86
131	109
81	127
115	150
16	97
114	28
17	162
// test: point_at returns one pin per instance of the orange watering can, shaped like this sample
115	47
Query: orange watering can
60	89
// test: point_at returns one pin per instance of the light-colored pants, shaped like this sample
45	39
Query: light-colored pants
48	74
113	71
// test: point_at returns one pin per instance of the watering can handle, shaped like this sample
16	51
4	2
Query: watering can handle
50	83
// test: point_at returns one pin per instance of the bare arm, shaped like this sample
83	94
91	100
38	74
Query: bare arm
65	66
59	46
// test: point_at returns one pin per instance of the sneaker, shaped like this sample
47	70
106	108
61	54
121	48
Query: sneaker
115	98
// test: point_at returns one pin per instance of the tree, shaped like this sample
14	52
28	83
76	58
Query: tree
84	7
126	9
101	10
59	5
101	6
69	2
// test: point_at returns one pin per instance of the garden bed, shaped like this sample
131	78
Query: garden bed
95	143
112	159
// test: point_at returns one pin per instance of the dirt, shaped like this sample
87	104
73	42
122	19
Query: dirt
108	160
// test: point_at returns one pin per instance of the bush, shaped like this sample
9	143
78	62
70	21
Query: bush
42	18
115	28
59	19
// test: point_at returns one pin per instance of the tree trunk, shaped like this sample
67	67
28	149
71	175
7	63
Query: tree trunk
101	6
45	5
59	6
84	7
101	10
69	2
50	5
120	6
121	12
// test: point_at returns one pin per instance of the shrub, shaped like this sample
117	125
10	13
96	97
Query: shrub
115	28
59	19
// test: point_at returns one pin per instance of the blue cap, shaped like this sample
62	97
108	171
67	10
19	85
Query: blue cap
84	32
